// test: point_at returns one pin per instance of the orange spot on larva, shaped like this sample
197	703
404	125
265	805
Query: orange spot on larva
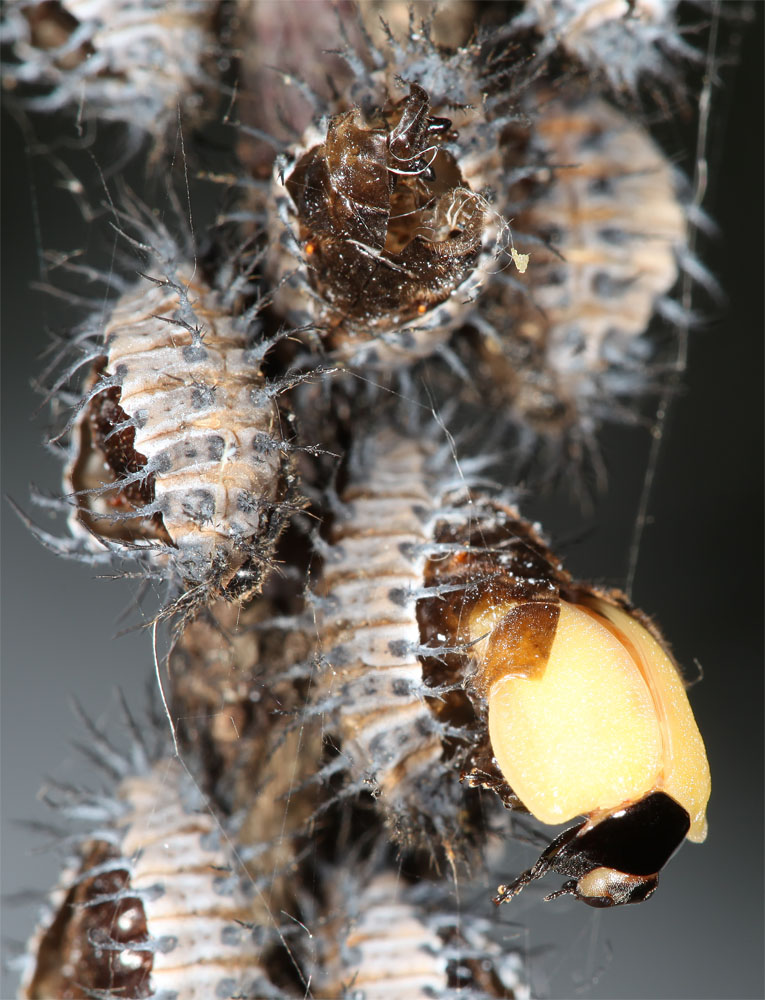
421	308
309	249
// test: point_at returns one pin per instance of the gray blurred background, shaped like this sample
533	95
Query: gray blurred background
699	573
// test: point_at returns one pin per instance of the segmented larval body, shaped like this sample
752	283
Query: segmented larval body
178	450
622	41
395	697
381	219
430	595
572	333
391	941
114	59
151	905
368	626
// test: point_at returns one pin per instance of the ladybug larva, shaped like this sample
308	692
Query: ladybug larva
455	640
373	690
178	452
139	64
569	342
624	42
151	904
386	939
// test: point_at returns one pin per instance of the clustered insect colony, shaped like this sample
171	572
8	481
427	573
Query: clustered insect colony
401	651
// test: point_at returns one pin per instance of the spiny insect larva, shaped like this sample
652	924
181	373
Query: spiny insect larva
114	61
150	905
568	342
366	613
178	453
388	940
624	42
563	339
458	655
456	642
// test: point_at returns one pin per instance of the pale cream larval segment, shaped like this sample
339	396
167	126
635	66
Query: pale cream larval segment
173	910
388	953
618	221
367	620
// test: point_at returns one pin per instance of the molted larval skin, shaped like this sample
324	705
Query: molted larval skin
393	942
151	906
179	439
114	59
384	228
381	219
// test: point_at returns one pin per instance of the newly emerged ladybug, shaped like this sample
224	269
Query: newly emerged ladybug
459	643
597	723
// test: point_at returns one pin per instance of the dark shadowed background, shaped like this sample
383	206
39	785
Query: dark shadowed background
700	574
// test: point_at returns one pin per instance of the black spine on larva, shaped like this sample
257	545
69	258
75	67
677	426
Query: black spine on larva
178	451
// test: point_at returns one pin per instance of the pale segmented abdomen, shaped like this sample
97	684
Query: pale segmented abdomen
408	551
615	218
391	941
152	906
179	440
368	624
573	333
393	687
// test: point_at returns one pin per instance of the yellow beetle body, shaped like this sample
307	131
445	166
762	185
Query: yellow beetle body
586	711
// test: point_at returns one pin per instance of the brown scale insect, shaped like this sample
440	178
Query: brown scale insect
384	225
178	449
